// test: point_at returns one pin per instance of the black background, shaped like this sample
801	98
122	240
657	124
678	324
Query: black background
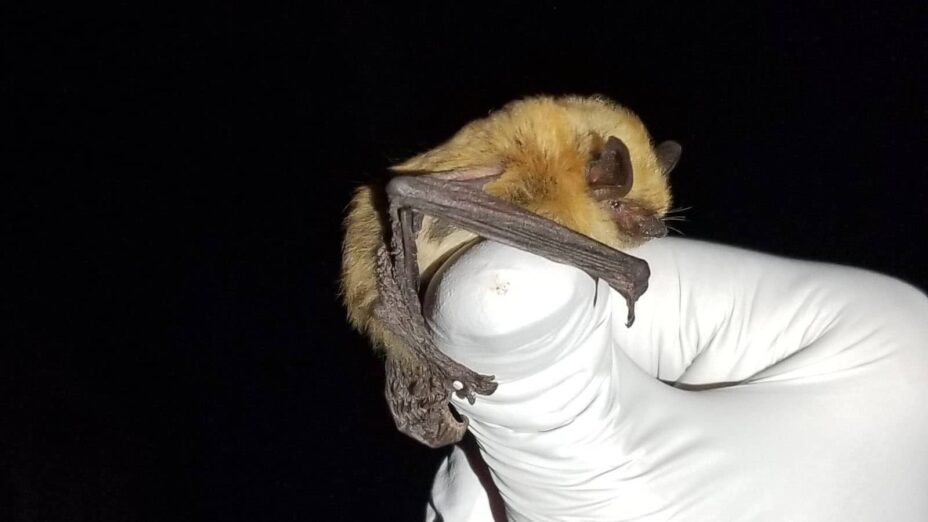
174	348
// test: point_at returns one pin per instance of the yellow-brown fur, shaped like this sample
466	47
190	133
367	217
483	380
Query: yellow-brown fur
544	145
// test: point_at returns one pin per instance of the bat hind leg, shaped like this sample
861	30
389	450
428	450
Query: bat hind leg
420	382
418	400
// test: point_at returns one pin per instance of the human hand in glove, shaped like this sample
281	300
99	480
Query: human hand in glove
750	387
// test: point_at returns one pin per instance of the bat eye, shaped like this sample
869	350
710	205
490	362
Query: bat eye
613	167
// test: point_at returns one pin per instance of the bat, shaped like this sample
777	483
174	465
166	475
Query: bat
573	179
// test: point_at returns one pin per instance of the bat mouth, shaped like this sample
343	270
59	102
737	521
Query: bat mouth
635	220
652	228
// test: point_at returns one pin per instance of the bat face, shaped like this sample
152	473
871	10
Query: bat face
571	179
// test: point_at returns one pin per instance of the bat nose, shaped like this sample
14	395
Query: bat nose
652	227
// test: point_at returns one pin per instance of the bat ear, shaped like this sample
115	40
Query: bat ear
668	154
612	169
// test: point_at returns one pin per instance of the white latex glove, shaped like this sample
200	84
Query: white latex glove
812	379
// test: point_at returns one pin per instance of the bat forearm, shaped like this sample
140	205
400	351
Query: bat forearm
472	209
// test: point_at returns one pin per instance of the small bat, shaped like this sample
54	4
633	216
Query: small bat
572	179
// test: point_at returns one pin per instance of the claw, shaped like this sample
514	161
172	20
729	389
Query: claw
631	312
473	384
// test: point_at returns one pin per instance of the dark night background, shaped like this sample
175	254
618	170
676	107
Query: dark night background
174	348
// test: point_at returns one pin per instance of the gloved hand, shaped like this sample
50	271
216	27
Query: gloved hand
750	387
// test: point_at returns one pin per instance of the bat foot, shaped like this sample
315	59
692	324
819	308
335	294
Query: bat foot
467	384
418	397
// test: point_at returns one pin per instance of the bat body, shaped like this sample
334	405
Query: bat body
570	178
